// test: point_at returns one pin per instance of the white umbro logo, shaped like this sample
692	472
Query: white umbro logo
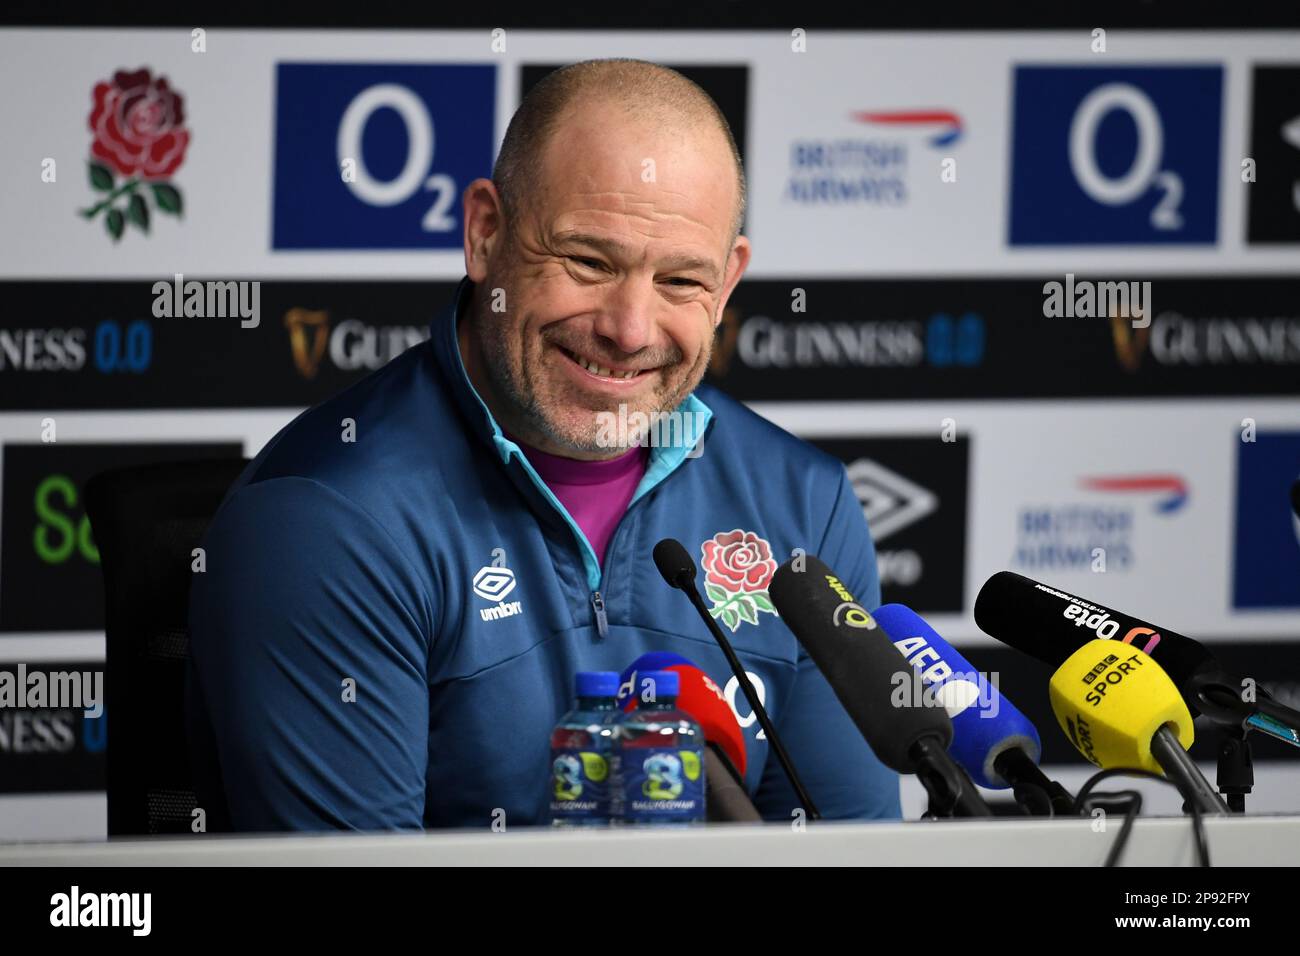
888	500
493	584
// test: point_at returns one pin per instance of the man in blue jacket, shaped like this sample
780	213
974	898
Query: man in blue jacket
401	587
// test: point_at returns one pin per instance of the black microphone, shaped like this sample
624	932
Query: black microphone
863	668
1295	498
1050	625
678	569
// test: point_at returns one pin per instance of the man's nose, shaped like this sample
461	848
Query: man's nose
627	315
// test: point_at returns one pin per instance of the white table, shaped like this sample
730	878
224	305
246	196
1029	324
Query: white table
1239	841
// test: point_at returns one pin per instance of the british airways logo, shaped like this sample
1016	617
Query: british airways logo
874	164
1170	489
946	126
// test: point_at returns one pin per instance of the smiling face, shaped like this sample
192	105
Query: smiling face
613	275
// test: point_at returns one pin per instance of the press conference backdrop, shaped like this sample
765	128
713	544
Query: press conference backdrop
910	196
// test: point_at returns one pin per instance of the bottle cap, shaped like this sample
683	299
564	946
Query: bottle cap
666	684
598	684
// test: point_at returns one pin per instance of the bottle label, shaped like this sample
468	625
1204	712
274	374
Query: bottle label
661	784
579	784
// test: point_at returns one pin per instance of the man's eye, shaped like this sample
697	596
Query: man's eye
682	282
586	263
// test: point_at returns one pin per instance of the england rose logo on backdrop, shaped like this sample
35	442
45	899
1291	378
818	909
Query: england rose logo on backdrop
738	567
140	136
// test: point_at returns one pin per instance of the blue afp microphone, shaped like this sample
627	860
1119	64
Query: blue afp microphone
992	740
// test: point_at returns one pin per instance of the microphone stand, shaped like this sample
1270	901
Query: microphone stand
678	570
1030	785
1235	776
952	794
773	739
1216	698
1186	776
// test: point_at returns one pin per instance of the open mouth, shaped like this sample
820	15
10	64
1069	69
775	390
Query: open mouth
602	371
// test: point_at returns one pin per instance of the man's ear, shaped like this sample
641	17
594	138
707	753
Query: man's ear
484	219
737	263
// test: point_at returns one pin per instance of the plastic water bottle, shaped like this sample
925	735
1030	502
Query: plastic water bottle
581	745
658	758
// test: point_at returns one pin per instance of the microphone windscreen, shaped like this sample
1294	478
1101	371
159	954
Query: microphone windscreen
1111	699
1295	498
674	562
858	660
1027	616
698	694
984	723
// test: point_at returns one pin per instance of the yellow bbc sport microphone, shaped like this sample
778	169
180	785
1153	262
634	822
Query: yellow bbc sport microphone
1111	699
1122	711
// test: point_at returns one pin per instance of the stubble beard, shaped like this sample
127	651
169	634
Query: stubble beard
522	388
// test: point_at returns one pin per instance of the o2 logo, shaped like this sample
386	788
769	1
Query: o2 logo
419	155
1115	155
1143	173
373	156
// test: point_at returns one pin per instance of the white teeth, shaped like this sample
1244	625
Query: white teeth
595	369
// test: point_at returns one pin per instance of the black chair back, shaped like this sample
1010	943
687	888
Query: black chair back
147	521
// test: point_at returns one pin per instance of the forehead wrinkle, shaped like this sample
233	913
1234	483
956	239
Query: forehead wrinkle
634	202
649	225
647	220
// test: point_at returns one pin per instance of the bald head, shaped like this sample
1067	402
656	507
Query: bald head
649	93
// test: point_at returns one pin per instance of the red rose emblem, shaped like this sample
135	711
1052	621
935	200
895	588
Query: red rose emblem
738	561
138	122
140	135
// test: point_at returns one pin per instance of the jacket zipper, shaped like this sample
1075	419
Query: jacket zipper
597	598
602	622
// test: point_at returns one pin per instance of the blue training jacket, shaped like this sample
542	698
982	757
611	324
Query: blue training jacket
388	627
